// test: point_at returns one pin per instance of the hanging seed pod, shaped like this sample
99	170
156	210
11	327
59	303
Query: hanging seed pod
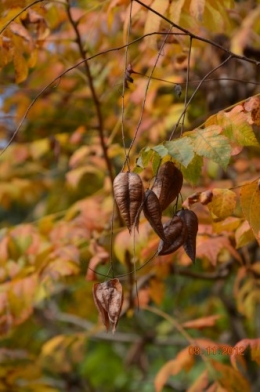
191	220
176	233
153	213
108	298
167	184
129	194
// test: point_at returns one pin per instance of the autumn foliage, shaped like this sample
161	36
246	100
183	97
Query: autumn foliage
129	196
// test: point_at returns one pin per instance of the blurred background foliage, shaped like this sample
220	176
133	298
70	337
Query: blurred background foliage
56	200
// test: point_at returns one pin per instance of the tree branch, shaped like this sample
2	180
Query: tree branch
93	92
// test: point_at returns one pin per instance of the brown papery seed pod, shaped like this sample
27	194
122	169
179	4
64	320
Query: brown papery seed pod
153	213
191	220
176	233
129	194
167	184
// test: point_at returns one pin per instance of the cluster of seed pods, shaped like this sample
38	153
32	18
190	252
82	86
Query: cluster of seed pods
180	230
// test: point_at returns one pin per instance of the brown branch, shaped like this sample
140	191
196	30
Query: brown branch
93	92
197	37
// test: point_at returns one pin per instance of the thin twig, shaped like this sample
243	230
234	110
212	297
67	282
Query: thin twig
124	87
186	84
145	95
194	93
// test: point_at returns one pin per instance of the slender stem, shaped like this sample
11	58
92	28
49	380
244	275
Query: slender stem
93	92
186	85
195	92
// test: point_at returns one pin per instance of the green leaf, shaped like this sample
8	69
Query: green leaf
161	150
144	157
235	126
193	171
156	161
181	150
210	144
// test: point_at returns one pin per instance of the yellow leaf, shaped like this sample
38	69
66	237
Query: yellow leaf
250	203
197	9
223	203
153	21
175	10
244	235
20	66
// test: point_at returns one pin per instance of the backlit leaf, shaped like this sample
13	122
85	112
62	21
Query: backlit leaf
181	150
202	322
209	143
197	9
193	171
244	235
153	21
223	203
235	126
183	361
240	348
229	378
250	203
20	66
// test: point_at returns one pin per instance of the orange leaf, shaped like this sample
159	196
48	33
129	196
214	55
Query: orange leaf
239	350
183	361
20	66
209	248
229	378
253	106
250	202
202	322
201	383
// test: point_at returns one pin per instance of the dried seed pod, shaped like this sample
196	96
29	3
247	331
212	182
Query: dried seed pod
167	184
176	233
153	213
129	194
191	220
108	298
